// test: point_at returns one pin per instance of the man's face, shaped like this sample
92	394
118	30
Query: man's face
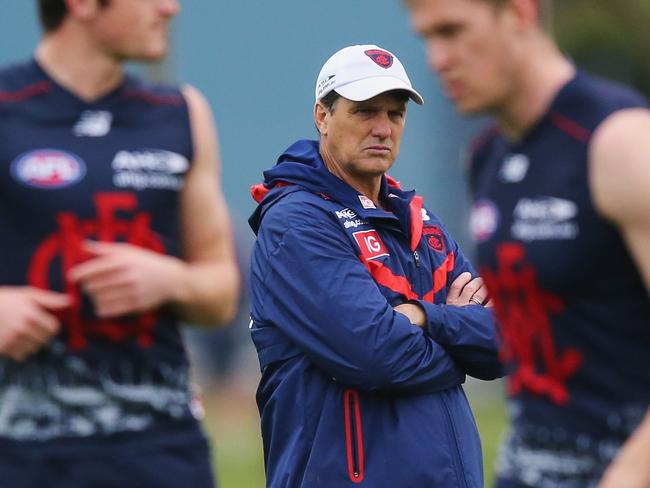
361	139
471	45
134	29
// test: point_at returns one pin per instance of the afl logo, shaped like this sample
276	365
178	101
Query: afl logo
48	168
484	220
380	57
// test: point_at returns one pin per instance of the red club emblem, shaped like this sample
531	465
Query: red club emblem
380	57
434	238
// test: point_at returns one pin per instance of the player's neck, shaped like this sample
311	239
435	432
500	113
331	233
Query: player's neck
78	67
541	78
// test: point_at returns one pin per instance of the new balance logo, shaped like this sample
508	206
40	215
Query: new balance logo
93	123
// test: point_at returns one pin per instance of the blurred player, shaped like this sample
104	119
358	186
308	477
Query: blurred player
113	230
561	187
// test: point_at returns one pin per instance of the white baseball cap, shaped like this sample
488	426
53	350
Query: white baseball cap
364	71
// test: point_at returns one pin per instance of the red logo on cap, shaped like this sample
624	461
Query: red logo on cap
380	57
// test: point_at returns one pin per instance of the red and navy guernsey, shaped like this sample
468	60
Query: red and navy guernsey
573	313
111	171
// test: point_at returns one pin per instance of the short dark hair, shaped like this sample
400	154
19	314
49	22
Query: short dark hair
53	12
330	99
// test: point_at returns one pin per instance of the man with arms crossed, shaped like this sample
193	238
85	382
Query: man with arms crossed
365	314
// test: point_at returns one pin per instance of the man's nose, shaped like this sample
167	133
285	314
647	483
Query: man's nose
437	56
382	126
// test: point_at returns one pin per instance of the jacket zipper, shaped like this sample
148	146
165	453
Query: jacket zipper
416	256
458	464
353	435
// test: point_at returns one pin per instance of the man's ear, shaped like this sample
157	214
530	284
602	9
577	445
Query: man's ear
321	117
82	9
526	12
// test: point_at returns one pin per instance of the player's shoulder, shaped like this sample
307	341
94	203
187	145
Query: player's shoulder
17	76
591	98
489	141
152	92
484	140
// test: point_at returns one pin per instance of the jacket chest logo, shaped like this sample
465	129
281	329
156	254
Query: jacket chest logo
370	244
434	238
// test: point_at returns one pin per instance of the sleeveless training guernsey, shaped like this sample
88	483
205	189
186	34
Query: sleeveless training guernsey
573	312
110	170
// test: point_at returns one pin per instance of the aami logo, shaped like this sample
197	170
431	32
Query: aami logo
48	168
370	244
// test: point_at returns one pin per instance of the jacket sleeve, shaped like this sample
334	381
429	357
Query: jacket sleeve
468	333
322	297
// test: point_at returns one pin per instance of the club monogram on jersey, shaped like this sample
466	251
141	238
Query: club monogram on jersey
524	310
64	248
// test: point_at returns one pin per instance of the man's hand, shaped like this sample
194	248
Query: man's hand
122	278
414	313
27	321
466	290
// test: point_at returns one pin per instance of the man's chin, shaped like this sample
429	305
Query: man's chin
149	56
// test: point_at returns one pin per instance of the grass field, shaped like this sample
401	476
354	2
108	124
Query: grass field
233	424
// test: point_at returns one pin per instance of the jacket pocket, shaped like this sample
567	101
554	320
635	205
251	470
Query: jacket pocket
353	435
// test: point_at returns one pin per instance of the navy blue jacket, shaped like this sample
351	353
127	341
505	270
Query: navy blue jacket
351	392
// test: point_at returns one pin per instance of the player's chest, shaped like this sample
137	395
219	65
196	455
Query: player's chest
537	202
64	162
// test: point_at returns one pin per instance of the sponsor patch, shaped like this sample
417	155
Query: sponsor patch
544	218
370	244
366	202
149	168
346	213
48	168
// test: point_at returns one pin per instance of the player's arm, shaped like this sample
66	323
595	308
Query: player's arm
620	184
209	288
203	286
